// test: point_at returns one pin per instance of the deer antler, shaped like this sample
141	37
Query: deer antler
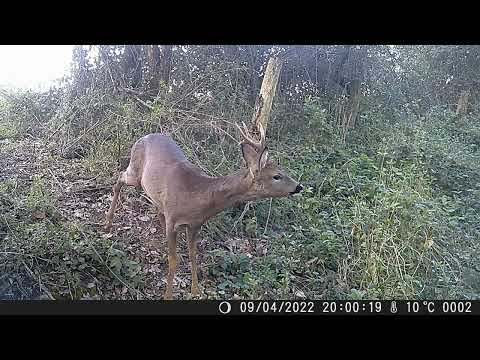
258	145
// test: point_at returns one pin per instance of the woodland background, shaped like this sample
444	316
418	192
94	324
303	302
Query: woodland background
385	139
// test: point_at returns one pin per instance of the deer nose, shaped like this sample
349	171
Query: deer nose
297	189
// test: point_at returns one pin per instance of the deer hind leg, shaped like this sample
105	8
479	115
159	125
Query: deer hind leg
172	259
125	178
192	249
161	218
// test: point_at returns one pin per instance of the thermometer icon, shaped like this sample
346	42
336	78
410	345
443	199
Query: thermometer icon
393	307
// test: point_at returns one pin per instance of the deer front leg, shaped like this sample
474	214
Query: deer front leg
172	259
192	247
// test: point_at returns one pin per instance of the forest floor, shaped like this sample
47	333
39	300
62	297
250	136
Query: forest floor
79	198
54	246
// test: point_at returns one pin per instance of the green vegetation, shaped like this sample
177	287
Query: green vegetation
391	201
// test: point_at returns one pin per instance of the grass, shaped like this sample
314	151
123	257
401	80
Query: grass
44	253
391	214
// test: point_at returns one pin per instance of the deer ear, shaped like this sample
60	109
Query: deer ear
263	159
250	156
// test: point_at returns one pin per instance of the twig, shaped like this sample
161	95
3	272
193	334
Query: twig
59	184
245	209
91	189
268	217
99	122
143	102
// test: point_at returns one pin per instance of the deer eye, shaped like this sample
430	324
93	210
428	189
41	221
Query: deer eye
277	177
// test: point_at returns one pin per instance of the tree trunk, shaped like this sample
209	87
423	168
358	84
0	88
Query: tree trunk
132	65
80	71
159	65
165	64
263	104
353	108
462	105
338	75
153	57
353	88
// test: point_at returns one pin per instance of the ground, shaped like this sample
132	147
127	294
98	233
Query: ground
81	198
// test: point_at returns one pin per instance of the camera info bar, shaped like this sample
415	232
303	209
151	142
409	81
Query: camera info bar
244	307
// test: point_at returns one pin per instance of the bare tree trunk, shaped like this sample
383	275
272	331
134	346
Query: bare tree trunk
263	104
338	75
132	65
350	115
159	66
153	57
354	92
80	71
165	64
462	105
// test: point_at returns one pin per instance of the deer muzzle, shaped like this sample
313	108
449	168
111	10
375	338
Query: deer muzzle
298	189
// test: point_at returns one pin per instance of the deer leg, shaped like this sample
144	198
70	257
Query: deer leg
161	218
116	192
192	247
172	259
128	177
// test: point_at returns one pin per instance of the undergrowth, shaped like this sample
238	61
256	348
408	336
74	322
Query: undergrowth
390	214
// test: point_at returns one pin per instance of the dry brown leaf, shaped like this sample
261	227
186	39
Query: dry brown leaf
39	214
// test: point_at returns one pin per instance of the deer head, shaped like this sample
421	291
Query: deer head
267	178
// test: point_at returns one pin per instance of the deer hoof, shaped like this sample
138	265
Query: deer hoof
195	291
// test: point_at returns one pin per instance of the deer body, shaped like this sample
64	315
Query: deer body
185	195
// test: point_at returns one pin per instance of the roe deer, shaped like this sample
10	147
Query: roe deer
186	195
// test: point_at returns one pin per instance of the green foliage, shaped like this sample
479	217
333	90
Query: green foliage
374	219
392	212
72	259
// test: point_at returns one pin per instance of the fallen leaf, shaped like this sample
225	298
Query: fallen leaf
144	218
39	214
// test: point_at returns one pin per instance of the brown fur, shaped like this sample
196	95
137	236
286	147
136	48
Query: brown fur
185	195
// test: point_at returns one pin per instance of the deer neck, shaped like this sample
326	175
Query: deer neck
228	190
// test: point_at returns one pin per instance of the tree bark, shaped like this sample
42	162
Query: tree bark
353	89
165	63
263	104
462	105
132	65
159	65
153	57
353	108
81	72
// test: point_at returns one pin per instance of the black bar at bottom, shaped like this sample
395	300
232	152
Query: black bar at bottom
243	307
